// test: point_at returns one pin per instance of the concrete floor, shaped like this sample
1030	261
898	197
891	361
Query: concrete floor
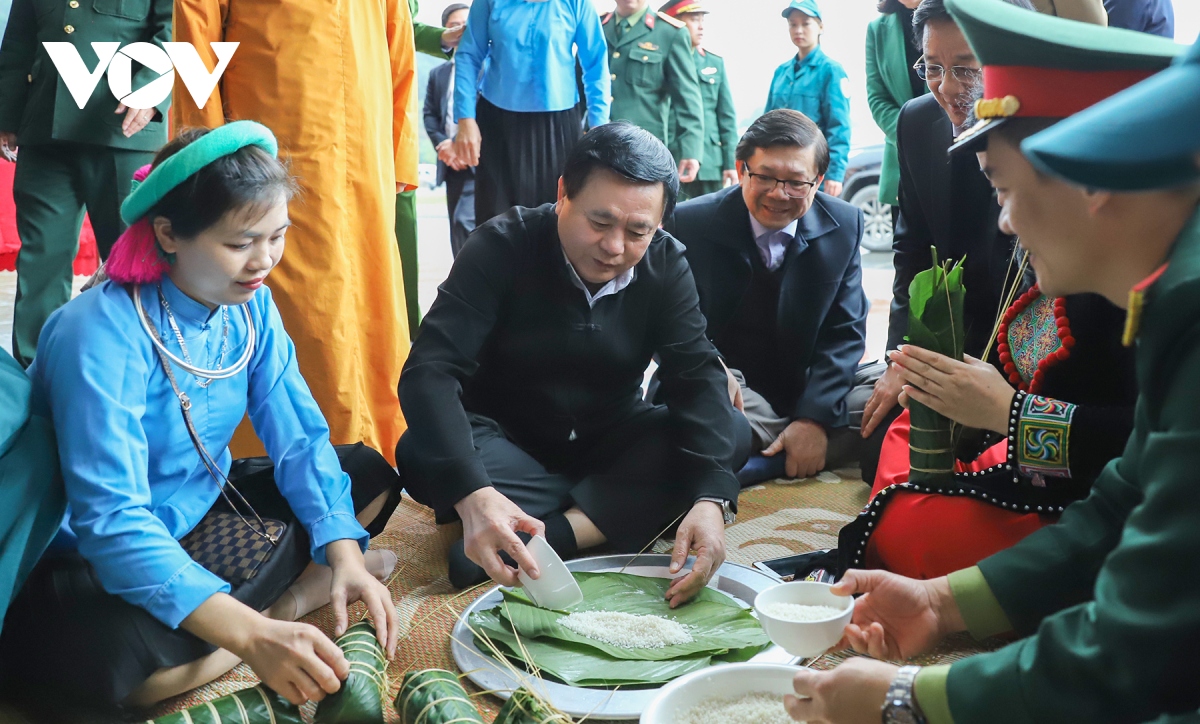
435	261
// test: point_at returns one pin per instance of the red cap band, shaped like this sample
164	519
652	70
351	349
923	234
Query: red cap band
683	6
1056	93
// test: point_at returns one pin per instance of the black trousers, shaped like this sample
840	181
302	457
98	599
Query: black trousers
624	480
460	206
65	637
521	158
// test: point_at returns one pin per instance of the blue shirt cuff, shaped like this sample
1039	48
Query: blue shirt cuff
335	526
183	593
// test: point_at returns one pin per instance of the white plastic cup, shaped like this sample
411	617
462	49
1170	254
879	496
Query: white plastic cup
555	588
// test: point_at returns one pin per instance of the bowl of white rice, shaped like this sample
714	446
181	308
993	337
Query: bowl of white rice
803	617
743	693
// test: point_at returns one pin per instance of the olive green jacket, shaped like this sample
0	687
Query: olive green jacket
888	89
428	38
35	103
1109	597
720	118
651	65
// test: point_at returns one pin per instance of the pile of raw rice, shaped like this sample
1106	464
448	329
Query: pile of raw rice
627	630
754	708
797	612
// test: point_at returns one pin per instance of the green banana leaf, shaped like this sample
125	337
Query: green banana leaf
360	700
579	665
723	632
715	628
935	322
259	705
525	708
435	696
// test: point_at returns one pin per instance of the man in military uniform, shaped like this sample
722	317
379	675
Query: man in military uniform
440	43
650	59
1106	601
70	159
718	168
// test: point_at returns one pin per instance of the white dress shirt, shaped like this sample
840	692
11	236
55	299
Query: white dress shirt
772	245
613	285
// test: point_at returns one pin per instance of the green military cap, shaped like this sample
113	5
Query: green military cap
1041	66
1143	138
675	8
808	7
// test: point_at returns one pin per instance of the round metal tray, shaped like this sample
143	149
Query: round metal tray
737	581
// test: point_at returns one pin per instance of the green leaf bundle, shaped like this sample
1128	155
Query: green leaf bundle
435	696
360	700
721	630
259	705
935	322
525	708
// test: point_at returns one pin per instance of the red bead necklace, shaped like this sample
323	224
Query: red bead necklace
1055	357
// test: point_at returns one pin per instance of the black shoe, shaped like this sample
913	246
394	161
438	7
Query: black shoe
464	572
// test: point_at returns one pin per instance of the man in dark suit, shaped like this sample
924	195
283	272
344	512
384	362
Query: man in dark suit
439	125
523	391
946	203
777	267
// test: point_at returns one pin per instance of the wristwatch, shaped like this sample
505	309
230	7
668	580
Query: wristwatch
901	706
726	508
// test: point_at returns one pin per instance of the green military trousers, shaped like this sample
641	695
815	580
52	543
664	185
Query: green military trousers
53	186
406	237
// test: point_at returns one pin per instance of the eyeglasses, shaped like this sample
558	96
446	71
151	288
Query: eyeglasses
766	184
961	73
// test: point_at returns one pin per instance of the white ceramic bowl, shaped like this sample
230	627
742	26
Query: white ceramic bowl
723	681
804	638
555	588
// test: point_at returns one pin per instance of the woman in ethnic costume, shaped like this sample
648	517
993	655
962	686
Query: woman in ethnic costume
1065	410
174	563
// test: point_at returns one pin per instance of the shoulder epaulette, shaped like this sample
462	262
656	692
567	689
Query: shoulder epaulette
672	21
604	20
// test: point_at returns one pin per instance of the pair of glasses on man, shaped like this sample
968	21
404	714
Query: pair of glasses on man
961	73
766	184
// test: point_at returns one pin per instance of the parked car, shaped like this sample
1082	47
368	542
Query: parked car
862	189
427	175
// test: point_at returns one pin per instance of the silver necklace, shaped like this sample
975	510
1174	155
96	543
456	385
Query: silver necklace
204	376
204	382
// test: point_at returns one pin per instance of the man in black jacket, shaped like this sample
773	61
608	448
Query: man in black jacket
946	203
440	127
777	267
523	390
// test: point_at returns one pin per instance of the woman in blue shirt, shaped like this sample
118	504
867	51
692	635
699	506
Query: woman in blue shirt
143	380
516	96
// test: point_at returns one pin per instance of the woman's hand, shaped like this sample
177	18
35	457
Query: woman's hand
490	522
467	142
294	659
702	530
352	582
897	617
971	393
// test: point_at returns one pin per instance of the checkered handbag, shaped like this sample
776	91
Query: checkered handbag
224	544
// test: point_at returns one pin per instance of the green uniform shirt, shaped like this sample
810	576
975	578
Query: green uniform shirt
651	65
1108	598
720	118
34	101
426	38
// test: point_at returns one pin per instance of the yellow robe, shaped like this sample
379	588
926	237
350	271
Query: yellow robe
335	80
